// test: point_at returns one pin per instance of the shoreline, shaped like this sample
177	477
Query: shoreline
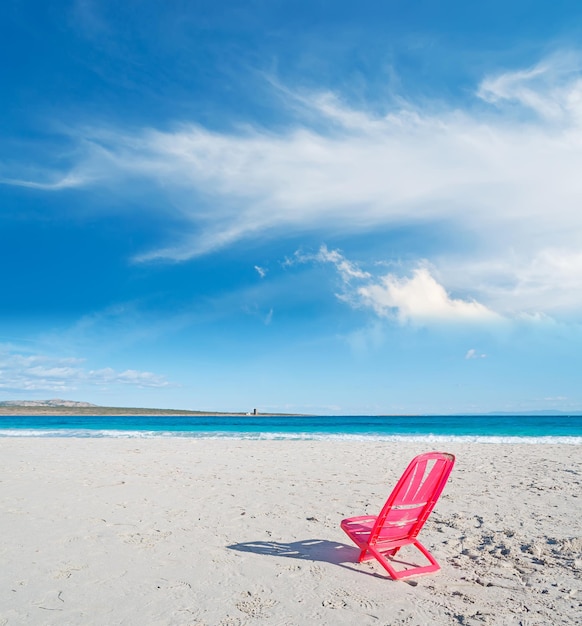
236	532
427	440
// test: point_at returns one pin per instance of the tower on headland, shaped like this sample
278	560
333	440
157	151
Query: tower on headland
255	412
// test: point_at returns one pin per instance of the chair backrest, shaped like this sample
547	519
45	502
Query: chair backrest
414	497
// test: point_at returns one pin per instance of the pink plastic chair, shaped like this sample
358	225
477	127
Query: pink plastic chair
404	514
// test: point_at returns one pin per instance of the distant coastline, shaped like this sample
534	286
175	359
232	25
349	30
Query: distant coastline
70	407
55	408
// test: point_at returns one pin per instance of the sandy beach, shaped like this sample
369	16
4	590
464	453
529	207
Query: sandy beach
198	532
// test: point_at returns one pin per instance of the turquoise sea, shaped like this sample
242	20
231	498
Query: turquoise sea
480	428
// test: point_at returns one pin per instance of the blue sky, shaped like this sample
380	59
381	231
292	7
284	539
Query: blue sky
324	207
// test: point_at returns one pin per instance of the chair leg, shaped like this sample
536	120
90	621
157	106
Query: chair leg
384	563
433	563
415	571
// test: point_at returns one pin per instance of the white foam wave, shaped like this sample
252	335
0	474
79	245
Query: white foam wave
297	436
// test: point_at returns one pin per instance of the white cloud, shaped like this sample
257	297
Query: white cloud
418	298
262	272
127	377
473	354
421	298
503	174
20	372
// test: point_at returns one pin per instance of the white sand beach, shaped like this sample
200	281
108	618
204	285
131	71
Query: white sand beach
194	532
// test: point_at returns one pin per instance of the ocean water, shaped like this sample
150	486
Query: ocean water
434	428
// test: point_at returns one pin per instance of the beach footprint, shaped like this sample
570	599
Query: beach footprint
255	604
147	539
66	571
230	620
344	599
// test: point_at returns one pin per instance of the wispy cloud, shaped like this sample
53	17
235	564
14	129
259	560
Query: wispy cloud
21	372
345	268
502	173
65	182
261	271
547	281
551	88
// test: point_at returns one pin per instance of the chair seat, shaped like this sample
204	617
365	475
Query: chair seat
357	525
361	527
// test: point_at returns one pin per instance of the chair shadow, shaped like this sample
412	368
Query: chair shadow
323	550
